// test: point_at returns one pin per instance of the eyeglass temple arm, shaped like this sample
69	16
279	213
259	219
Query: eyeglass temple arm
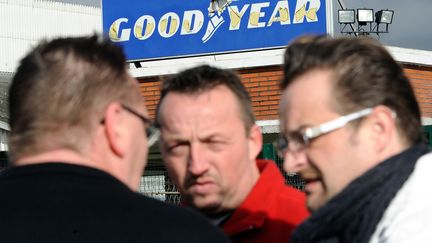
335	124
154	137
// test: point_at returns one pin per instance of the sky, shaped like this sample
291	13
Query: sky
410	27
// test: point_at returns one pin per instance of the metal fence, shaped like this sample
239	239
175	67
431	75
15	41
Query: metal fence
156	183
269	152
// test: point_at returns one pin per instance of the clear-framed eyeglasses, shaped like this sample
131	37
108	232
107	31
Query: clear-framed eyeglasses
299	140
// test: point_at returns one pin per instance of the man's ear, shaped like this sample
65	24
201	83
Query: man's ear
383	127
255	142
114	128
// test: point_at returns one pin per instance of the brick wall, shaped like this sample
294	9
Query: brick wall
421	80
150	89
262	84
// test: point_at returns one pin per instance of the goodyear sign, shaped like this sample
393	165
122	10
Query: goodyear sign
171	28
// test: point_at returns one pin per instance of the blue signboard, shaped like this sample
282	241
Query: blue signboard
171	28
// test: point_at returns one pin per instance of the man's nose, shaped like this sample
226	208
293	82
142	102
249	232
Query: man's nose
294	162
198	162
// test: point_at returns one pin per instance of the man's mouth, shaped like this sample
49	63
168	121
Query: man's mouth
201	187
311	184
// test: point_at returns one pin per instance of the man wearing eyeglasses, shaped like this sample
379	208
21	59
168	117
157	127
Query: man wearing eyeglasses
209	144
350	126
78	146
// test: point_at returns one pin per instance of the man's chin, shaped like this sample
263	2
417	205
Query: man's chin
313	204
312	208
206	205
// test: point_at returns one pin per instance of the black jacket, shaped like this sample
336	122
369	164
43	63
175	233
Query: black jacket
57	202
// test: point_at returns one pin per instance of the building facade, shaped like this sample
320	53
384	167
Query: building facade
259	69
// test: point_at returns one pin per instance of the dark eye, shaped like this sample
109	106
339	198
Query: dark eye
296	140
177	148
215	145
281	142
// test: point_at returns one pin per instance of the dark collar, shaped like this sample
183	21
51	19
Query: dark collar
57	168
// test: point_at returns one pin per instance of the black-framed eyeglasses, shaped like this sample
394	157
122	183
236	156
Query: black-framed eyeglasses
152	129
298	140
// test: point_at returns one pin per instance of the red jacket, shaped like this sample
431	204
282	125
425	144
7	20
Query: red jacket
270	212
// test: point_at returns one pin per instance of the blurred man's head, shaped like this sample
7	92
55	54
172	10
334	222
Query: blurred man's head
209	139
75	95
354	78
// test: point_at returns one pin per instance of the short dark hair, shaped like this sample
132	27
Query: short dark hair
61	88
204	78
364	75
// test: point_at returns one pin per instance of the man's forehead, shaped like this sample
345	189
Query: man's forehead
217	95
307	99
212	104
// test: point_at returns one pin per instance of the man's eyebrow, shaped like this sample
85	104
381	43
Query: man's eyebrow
213	135
300	128
176	138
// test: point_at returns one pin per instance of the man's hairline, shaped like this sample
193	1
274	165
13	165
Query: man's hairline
202	91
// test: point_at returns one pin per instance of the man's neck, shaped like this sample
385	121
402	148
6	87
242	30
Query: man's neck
71	157
396	146
58	155
219	219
